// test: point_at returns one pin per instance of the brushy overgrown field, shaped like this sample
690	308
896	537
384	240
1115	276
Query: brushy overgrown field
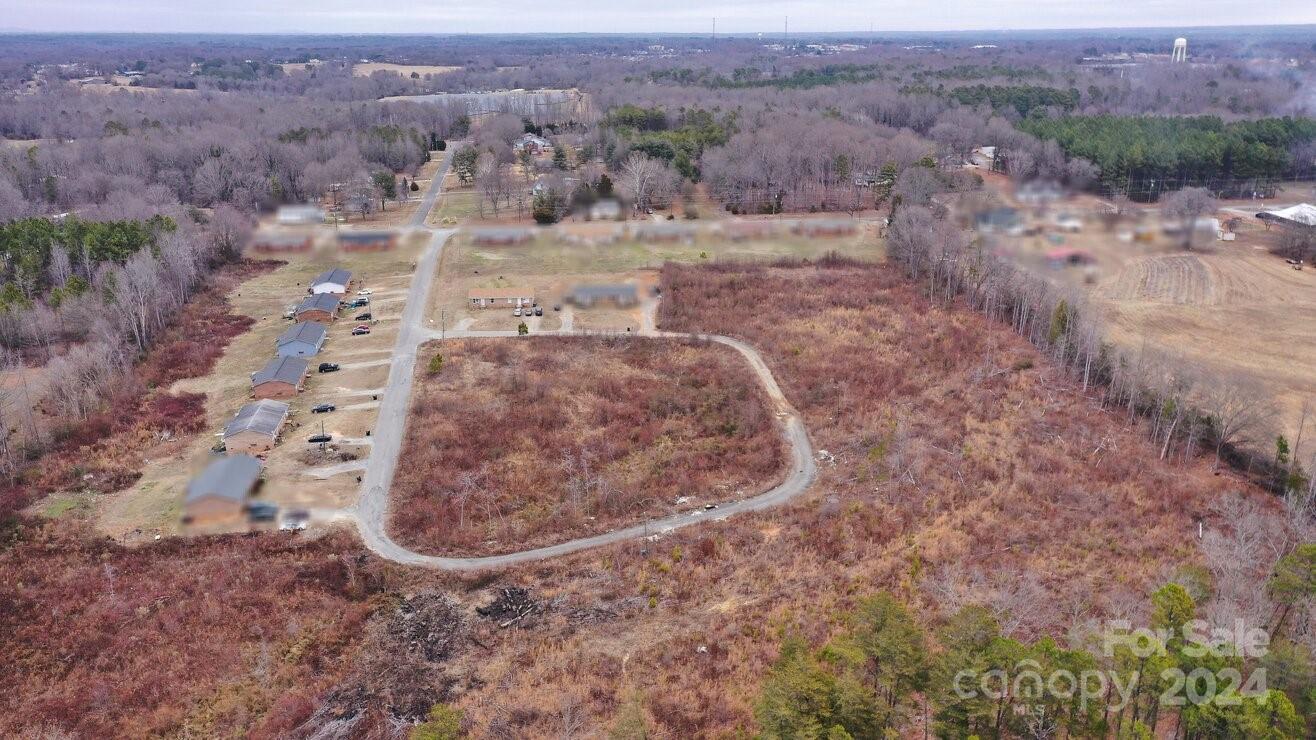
519	443
957	467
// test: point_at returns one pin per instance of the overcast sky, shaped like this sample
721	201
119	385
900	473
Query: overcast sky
596	16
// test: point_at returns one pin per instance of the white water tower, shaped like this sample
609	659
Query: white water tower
1180	53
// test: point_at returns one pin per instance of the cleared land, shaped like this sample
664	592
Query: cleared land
551	267
1226	309
520	443
959	468
369	68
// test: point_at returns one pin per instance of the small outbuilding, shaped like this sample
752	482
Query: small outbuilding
255	428
620	294
303	339
219	494
282	377
335	281
607	209
321	308
500	297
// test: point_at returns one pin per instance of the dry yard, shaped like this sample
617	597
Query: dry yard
518	443
153	505
551	267
1231	310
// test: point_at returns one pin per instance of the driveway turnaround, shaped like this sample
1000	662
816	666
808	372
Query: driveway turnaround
371	510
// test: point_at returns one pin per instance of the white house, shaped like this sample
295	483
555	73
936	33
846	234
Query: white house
332	281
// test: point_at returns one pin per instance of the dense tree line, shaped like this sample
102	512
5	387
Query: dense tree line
1198	150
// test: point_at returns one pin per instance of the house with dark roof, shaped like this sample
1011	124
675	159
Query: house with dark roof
219	494
664	232
281	377
335	281
256	427
366	241
321	307
303	339
280	243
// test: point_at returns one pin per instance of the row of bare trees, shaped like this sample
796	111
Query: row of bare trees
1186	414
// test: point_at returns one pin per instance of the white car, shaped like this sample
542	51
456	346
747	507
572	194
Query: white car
516	312
365	291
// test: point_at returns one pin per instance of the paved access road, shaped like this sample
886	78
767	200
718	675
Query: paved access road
371	510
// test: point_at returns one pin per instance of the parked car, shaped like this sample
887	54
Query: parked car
294	520
317	439
262	511
557	306
323	408
363	316
359	302
539	311
363	329
364	291
516	312
328	367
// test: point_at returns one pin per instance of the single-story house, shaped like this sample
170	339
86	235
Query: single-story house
335	281
621	294
817	227
999	221
321	307
293	215
266	242
1039	193
366	241
607	209
303	339
219	494
664	232
533	143
256	427
501	236
281	377
500	297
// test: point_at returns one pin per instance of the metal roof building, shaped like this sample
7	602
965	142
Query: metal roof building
334	280
280	378
229	478
320	305
301	339
256	426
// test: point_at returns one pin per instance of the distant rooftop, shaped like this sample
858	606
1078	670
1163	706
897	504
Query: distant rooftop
337	275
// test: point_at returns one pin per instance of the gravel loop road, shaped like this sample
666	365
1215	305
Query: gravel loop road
371	510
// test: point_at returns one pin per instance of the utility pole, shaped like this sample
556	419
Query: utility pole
443	324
